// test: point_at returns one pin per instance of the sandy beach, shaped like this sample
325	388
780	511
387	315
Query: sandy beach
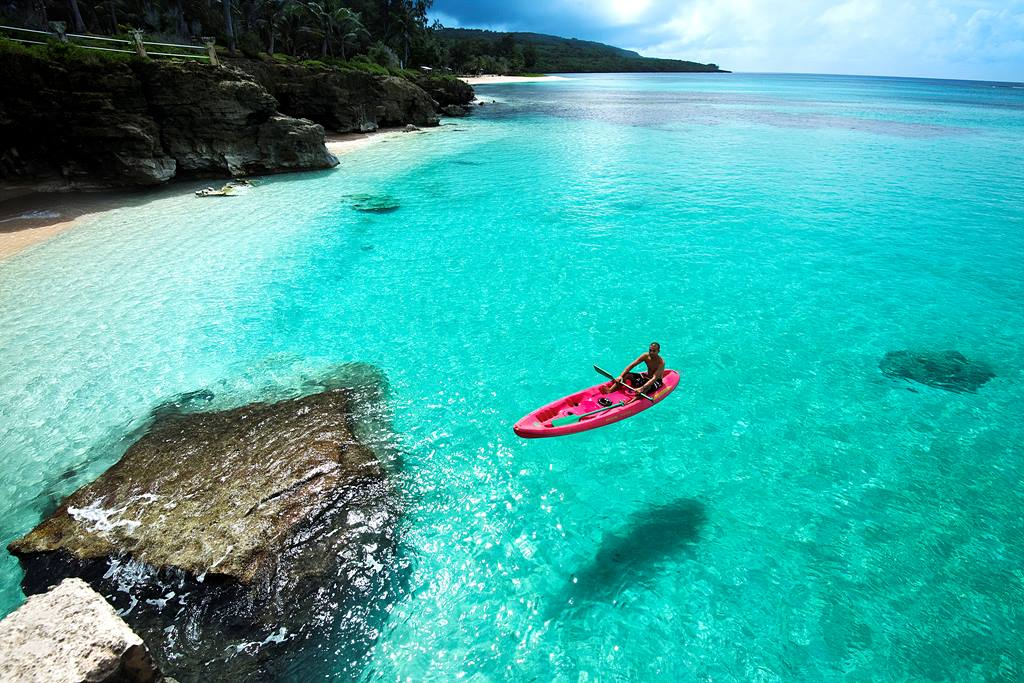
499	80
343	143
28	217
31	217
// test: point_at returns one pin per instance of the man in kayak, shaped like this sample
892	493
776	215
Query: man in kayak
642	382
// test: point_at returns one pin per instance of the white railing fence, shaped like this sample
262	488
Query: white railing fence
135	45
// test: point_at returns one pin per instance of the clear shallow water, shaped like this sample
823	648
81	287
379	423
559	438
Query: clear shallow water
788	513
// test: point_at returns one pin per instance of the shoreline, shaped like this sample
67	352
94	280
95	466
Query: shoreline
30	217
343	143
33	214
490	79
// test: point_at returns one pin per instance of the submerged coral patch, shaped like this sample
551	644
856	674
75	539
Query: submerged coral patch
370	203
949	370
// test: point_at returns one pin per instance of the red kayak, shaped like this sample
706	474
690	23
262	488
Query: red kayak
581	411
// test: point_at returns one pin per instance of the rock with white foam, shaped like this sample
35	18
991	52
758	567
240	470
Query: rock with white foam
72	634
229	538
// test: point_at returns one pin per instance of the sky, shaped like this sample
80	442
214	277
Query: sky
927	38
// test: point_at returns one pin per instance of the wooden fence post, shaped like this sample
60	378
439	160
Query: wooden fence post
140	49
211	49
60	28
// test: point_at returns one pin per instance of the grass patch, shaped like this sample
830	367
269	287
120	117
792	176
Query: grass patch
63	53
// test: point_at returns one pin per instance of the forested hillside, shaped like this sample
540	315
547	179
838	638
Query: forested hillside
474	50
388	34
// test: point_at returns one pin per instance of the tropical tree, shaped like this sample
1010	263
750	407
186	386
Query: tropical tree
350	30
335	20
76	16
229	26
271	17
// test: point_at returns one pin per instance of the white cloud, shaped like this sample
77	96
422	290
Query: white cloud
908	37
940	38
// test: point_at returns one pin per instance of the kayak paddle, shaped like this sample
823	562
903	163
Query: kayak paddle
617	380
572	419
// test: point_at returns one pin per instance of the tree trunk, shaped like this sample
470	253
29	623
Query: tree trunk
323	48
270	47
229	26
76	17
113	18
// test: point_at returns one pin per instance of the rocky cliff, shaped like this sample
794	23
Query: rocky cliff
104	122
91	122
344	101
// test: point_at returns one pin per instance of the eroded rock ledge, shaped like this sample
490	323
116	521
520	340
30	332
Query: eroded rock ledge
229	538
69	635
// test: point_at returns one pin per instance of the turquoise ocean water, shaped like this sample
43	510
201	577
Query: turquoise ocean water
788	513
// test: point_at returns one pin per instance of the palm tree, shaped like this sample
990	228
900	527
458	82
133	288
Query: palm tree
290	23
271	15
334	19
321	15
229	26
350	29
76	16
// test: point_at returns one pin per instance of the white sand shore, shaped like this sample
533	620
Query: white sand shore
498	80
33	217
343	143
30	214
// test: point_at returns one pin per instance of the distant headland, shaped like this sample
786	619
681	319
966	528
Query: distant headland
472	50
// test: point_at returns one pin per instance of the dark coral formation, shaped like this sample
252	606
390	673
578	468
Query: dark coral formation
949	370
230	538
371	203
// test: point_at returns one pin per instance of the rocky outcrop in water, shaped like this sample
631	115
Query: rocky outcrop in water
71	634
231	538
344	101
949	370
89	123
447	90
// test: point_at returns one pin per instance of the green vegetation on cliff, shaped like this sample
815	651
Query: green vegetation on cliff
389	33
377	36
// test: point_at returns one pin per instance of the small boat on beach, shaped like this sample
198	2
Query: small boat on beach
226	191
589	409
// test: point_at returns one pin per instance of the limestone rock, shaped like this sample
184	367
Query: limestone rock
455	110
212	493
949	370
231	537
105	123
71	635
447	90
343	101
83	122
287	144
222	122
405	102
